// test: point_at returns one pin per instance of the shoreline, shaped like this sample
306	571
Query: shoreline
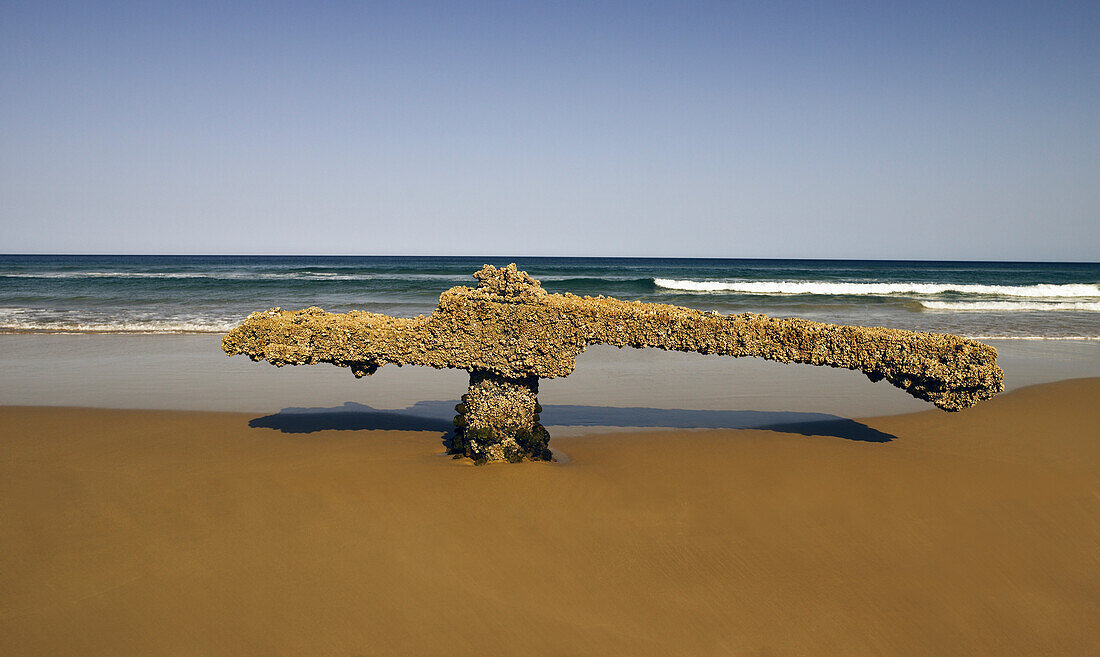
191	372
190	531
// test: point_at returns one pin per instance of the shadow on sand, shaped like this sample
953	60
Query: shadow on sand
438	415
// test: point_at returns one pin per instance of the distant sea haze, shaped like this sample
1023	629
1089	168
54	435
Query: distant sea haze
211	294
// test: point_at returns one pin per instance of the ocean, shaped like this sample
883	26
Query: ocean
211	294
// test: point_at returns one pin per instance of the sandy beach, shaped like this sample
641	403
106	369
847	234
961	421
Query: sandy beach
193	533
486	329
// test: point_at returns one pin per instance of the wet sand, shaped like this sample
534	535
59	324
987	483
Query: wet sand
192	533
191	372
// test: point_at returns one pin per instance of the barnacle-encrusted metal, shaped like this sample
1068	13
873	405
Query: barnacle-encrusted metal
508	333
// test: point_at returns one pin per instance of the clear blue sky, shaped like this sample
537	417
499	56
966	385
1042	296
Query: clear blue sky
829	129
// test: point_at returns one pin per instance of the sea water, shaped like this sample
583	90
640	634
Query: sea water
211	294
144	331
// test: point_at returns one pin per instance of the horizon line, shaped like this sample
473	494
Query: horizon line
517	256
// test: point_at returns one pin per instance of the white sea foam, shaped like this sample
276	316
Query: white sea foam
24	320
1012	306
136	274
1034	337
234	275
879	289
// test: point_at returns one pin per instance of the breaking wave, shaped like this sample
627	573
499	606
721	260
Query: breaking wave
1010	306
860	289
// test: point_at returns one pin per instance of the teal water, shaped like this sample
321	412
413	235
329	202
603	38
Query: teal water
183	294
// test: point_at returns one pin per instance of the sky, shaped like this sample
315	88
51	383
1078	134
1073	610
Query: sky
919	130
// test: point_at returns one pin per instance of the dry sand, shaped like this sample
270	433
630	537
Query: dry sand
190	533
